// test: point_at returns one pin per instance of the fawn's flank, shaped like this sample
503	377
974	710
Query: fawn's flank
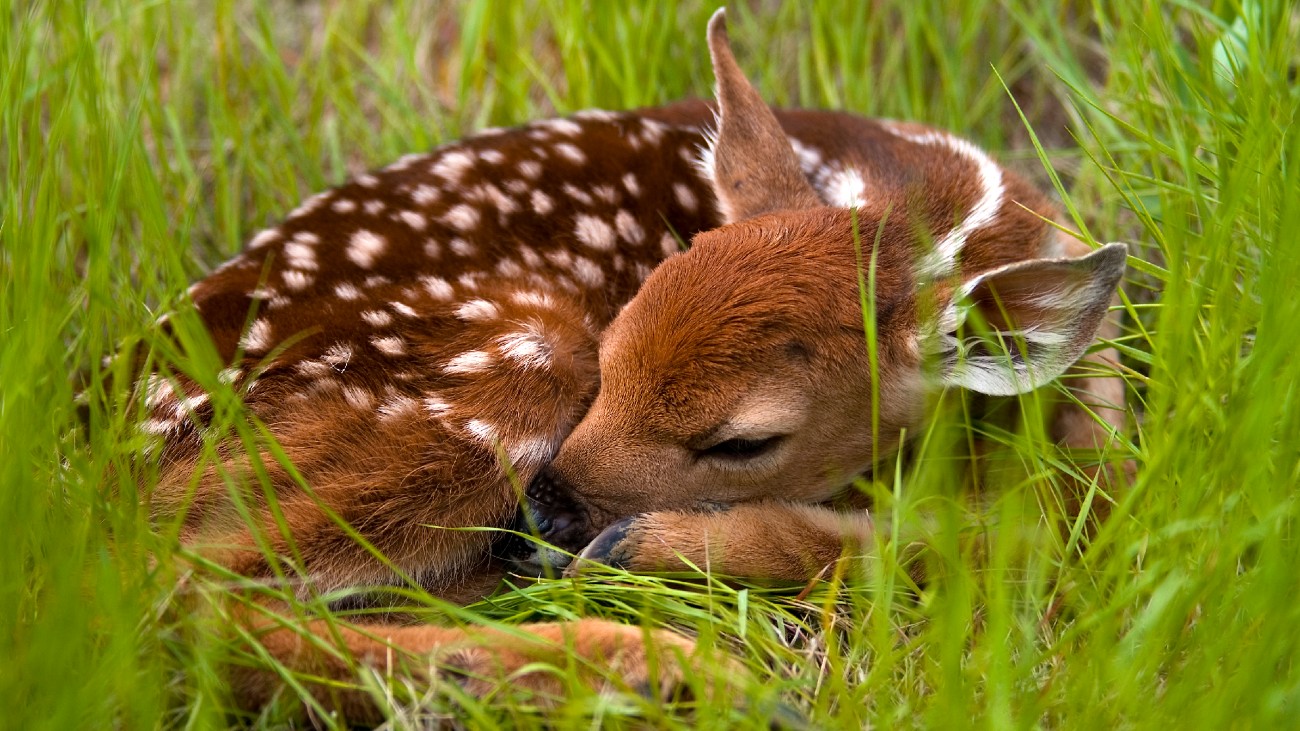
516	309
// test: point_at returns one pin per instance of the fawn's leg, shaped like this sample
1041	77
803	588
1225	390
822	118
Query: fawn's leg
478	660
770	540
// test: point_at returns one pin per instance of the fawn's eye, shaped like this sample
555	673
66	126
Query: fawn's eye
740	449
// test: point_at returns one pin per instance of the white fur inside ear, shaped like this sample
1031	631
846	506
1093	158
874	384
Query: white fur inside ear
1054	330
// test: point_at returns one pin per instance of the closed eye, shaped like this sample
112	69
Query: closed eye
739	449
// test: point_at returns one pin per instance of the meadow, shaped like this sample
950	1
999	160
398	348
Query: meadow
143	143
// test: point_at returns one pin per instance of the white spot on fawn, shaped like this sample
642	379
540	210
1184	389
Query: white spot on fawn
571	153
474	361
482	431
432	249
462	217
477	310
347	291
531	452
530	169
630	183
530	257
528	349
397	406
560	258
437	287
425	194
566	127
344	205
594	232
452	165
435	405
309	205
364	247
375	208
313	369
628	227
587	272
413	219
389	345
403	309
300	255
367	181
605	193
258	337
685	198
338	356
492	157
263	238
377	318
509	268
528	298
669	245
542	203
577	194
297	281
358	397
461	247
846	189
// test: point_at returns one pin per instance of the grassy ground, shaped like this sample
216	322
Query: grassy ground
143	142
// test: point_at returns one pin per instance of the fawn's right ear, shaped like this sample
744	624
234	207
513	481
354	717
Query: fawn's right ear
1036	318
750	161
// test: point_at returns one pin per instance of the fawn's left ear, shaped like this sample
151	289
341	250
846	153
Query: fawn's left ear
751	163
1036	318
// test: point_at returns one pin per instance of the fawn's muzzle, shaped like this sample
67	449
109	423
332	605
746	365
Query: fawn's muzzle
559	519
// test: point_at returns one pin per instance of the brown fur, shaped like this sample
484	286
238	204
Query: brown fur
419	337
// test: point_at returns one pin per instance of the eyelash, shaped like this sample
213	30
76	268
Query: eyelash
740	449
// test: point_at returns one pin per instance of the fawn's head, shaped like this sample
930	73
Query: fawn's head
742	370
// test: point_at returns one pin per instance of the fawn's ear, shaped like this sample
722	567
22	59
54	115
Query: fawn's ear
750	161
1035	319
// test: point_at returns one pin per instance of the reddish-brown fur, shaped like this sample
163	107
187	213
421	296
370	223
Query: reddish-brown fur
410	335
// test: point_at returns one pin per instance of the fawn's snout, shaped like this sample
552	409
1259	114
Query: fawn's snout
557	516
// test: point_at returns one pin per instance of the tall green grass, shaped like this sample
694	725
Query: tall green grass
143	142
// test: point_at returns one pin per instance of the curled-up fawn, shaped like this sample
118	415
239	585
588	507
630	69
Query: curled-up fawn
515	309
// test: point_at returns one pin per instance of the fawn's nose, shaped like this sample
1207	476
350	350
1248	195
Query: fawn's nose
559	519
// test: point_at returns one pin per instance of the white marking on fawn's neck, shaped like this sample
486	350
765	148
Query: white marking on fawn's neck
846	189
942	259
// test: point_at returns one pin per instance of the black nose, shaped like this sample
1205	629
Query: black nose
557	515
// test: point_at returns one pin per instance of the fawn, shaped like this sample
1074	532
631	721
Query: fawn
515	306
